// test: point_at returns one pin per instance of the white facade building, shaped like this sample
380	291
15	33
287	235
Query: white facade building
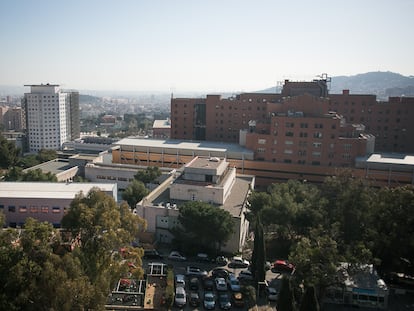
207	179
52	116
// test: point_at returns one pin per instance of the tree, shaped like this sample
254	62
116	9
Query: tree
150	174
16	174
309	300
134	193
103	227
393	229
203	225
286	300
33	278
45	155
259	252
317	260
9	154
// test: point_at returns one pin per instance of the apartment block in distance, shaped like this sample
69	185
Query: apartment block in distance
52	116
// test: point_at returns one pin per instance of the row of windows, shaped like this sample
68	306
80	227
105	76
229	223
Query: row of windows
32	209
114	178
304	125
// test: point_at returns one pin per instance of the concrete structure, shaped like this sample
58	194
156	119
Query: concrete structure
176	153
12	118
52	116
62	169
208	179
361	287
161	129
43	201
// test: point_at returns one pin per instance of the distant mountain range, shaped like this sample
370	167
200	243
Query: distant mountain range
382	84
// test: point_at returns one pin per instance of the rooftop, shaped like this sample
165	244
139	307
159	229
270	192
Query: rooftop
49	189
185	145
162	123
54	166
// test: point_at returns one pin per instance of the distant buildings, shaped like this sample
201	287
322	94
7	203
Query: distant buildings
52	116
161	129
358	118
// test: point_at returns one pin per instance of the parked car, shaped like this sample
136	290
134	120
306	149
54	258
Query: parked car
221	260
195	271
151	254
224	301
194	299
245	275
238	262
174	255
234	283
209	301
221	285
194	284
237	299
283	266
272	294
208	284
180	297
202	257
220	273
180	280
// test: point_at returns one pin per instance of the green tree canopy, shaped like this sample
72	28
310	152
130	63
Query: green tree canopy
203	225
150	174
286	299
134	193
16	174
9	154
103	227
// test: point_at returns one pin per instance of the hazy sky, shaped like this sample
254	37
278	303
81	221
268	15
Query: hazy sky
206	45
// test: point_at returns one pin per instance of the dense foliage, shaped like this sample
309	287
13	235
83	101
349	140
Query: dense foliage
203	226
134	193
150	174
35	274
342	220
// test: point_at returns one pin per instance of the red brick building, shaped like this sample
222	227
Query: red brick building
342	120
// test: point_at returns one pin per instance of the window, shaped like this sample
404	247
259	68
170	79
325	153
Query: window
317	135
261	141
290	124
347	147
288	151
316	154
289	134
317	145
261	150
288	142
1	207
12	209
55	209
22	209
45	209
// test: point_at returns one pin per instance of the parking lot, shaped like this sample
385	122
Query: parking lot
180	268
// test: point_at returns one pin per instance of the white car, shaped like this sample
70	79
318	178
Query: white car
174	255
180	297
238	262
195	271
221	285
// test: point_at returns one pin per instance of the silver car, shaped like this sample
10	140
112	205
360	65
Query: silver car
180	297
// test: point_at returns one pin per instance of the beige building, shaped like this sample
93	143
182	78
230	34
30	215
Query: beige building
207	179
44	201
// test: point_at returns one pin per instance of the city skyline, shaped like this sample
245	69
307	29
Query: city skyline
200	46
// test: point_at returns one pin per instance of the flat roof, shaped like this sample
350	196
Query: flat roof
162	124
184	144
391	158
205	162
55	166
53	190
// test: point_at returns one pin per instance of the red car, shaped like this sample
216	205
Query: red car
283	266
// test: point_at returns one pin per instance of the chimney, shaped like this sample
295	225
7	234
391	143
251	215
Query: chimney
345	92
